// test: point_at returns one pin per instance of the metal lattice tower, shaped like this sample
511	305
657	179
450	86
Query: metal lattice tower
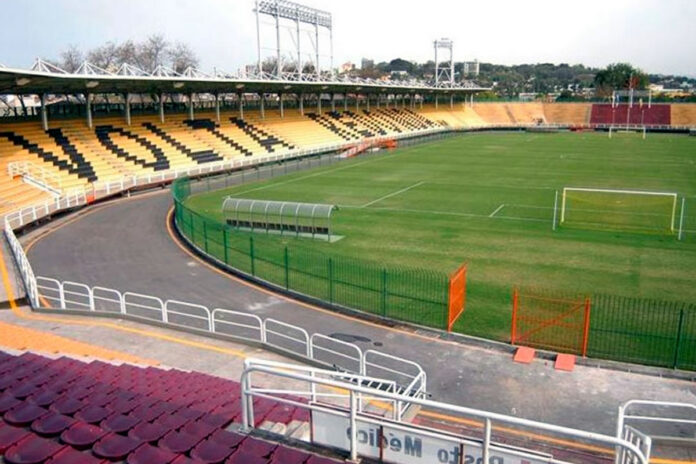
444	71
300	14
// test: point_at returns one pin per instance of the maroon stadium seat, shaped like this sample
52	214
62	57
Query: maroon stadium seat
114	446
10	435
69	455
211	451
178	442
52	424
67	405
24	413
119	423
227	438
148	432
32	450
258	447
244	457
92	414
284	455
82	435
7	402
147	454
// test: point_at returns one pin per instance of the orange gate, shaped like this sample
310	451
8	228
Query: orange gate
457	296
559	323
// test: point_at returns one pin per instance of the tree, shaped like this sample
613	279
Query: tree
181	56
152	53
619	76
105	56
127	52
71	59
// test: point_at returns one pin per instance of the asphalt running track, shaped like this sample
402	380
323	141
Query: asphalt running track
126	245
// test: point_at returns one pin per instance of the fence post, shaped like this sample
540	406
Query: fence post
224	245
205	236
586	327
192	228
251	255
384	292
287	271
679	339
331	284
515	304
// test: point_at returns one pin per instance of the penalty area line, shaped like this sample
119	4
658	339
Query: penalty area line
393	194
497	210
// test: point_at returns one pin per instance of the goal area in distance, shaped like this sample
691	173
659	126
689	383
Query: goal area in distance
623	210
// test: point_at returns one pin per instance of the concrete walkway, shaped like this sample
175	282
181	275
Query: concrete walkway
126	245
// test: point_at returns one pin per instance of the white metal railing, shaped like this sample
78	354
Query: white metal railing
36	175
322	398
406	376
676	423
23	266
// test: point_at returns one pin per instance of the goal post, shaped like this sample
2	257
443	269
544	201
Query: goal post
616	209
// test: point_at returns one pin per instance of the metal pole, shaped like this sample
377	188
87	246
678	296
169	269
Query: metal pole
319	102
353	427
161	107
258	38
345	102
277	24
333	103
331	67
357	102
316	44
280	99
681	218
487	441
44	112
299	55
262	103
240	97
217	107
89	110
555	208
191	115
127	108
367	101
302	104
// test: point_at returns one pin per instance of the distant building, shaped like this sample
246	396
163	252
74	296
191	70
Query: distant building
347	67
367	64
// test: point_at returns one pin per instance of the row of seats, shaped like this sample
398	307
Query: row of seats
66	411
78	156
634	114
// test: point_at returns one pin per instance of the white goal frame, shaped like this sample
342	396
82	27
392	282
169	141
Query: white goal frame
673	195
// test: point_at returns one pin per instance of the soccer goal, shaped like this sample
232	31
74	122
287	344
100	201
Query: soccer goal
619	130
613	209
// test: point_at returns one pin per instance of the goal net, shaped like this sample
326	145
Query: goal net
628	210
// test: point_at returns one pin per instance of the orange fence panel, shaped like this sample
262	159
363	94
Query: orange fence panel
554	322
457	296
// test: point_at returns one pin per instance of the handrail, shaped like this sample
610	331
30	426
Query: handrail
285	371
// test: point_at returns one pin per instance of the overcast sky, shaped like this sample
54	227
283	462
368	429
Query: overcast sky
658	36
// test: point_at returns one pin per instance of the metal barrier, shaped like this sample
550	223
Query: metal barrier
338	420
402	376
661	422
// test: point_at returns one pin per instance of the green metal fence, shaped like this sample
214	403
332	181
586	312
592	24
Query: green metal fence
659	333
413	295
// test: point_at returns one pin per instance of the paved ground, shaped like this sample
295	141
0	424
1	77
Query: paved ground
126	245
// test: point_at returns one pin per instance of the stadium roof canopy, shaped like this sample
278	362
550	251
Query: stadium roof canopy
44	78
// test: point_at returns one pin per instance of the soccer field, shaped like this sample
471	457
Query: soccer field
488	200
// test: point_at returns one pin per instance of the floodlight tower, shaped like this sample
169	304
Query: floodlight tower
299	14
444	72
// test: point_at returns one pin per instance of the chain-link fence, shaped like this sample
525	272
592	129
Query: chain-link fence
412	295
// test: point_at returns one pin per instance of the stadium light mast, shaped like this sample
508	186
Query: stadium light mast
299	14
444	72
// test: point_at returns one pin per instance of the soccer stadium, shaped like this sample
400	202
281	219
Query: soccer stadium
304	263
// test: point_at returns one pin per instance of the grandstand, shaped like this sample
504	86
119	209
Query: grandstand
334	396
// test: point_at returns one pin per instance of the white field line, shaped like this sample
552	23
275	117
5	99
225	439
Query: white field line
393	194
497	210
329	171
447	213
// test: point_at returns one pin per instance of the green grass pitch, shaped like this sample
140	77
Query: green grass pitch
487	200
